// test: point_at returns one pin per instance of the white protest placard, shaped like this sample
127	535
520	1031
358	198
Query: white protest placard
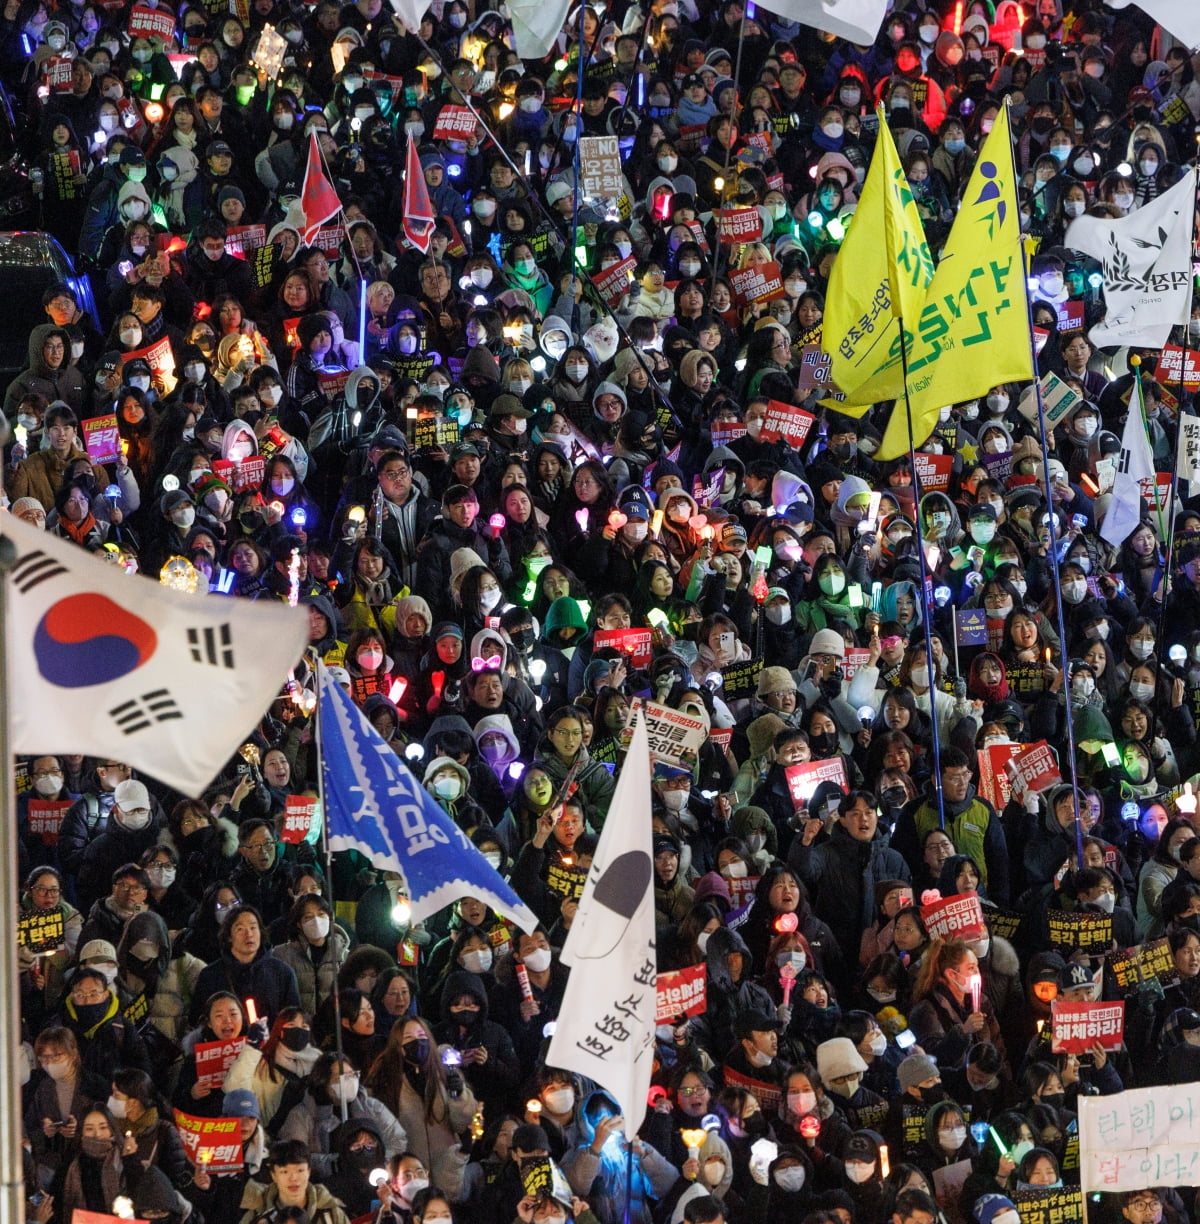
1146	1137
600	166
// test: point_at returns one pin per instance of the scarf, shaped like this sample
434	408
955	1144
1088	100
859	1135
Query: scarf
109	1013
79	531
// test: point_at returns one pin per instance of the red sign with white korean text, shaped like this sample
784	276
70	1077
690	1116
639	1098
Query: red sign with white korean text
681	993
159	357
854	660
736	225
102	439
214	1058
786	421
147	22
46	817
241	476
329	238
214	1144
454	123
632	642
804	778
1035	769
959	917
395	83
760	283
933	471
994	783
242	238
56	73
298	818
1076	1027
722	737
1167	370
612	283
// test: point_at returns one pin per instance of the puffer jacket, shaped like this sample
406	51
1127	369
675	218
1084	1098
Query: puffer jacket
316	981
315	1119
64	384
170	980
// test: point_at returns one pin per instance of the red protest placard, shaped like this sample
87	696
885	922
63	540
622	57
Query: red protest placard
1070	317
82	1216
159	357
736	225
152	23
1156	489
681	993
212	1143
933	471
854	660
332	382
803	779
1035	769
786	421
46	817
762	140
1076	1027
1167	370
633	642
214	1058
329	238
298	816
994	783
241	476
395	83
612	283
454	123
959	917
722	737
242	238
741	892
690	137
760	283
102	439
56	73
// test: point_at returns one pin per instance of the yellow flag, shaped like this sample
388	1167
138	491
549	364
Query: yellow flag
880	275
973	331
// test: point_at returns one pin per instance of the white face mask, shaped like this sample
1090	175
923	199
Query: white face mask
560	1100
1123	199
162	875
702	940
735	870
344	1089
801	1103
951	1140
859	1171
714	1172
878	1044
690	267
538	960
51	784
134	823
1141	689
478	960
1073	208
675	800
779	614
118	1109
1073	592
1106	901
792	1178
1140	648
283	485
316	927
577	371
489	598
194	372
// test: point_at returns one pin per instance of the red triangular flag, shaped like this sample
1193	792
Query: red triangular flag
419	217
317	197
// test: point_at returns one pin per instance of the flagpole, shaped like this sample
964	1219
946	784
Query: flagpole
925	595
735	119
318	719
1051	516
12	1166
1170	536
574	259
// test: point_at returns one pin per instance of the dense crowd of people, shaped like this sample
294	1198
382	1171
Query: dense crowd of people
511	506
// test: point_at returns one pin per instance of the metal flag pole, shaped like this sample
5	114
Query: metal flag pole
734	119
1051	516
926	602
318	719
12	1164
575	160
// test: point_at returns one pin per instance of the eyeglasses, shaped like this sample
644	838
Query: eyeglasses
42	891
398	473
700	1090
129	886
259	845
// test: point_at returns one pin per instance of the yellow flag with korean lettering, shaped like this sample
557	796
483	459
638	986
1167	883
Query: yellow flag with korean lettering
880	276
973	331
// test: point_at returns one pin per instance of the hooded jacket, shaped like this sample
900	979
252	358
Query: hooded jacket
168	980
716	1029
492	1081
317	1117
602	1179
64	384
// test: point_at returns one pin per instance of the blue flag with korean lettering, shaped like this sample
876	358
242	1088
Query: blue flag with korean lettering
605	1027
972	627
376	806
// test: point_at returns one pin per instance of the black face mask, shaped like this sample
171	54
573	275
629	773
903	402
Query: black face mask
295	1039
522	639
931	1096
416	1051
364	1158
144	968
893	796
824	744
1053	1099
464	1016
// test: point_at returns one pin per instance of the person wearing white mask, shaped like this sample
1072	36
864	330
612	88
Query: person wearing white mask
132	828
315	949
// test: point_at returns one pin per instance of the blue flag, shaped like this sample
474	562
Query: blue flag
374	805
972	627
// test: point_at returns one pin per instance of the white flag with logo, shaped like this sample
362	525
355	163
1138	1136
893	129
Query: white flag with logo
605	1028
1147	267
1188	467
1136	464
536	24
857	20
109	664
1178	17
